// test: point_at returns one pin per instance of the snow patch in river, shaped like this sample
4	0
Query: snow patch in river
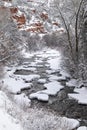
82	128
52	88
72	83
54	63
40	96
41	81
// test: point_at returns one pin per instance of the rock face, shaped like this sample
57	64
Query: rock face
14	10
19	19
31	17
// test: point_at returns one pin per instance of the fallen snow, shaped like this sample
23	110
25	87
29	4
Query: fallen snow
82	128
15	85
65	73
32	119
22	100
51	71
44	120
7	4
52	88
53	77
54	63
30	77
72	122
7	122
60	78
26	67
72	83
33	64
42	81
80	95
40	96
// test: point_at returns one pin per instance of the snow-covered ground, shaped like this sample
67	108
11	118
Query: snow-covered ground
7	122
31	119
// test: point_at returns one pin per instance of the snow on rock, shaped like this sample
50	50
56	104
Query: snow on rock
80	95
42	81
82	128
38	61
54	63
22	100
33	64
7	4
40	96
15	85
72	83
30	77
7	122
61	78
26	67
58	78
49	53
51	71
65	74
52	88
73	123
53	77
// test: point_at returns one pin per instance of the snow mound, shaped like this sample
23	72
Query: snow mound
72	83
52	88
73	123
65	74
42	81
29	78
54	63
15	85
40	96
53	77
61	78
82	128
22	100
80	95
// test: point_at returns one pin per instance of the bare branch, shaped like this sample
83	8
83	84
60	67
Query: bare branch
76	25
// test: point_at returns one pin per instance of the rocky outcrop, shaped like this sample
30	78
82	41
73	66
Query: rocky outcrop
33	17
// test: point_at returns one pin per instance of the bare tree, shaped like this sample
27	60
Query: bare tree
69	11
73	14
11	42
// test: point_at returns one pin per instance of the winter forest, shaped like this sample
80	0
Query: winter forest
43	64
